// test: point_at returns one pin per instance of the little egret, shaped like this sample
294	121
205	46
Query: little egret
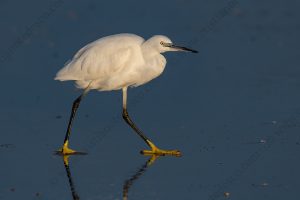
117	62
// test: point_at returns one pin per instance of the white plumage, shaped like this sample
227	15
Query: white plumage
116	61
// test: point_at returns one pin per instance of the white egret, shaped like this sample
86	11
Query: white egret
117	62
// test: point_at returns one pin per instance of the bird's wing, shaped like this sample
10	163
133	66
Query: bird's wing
103	58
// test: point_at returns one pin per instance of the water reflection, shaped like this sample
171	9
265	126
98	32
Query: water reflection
129	182
71	183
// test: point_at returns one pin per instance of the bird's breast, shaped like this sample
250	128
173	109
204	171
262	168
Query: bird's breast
153	67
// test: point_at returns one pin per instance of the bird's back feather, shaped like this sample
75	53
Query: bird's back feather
102	59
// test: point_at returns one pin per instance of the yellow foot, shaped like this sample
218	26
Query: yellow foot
65	150
159	152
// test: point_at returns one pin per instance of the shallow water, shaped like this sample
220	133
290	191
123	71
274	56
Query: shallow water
232	109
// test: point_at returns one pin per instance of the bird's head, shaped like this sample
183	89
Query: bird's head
162	44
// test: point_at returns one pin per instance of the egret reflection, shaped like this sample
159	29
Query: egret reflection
129	182
71	183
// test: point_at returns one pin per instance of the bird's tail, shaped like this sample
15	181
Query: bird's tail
65	74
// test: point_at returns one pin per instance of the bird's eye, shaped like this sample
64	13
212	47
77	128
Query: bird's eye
162	43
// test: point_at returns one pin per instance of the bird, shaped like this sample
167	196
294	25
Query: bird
117	62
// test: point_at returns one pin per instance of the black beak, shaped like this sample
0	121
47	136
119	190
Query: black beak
182	48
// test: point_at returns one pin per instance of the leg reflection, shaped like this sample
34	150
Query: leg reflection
128	183
71	183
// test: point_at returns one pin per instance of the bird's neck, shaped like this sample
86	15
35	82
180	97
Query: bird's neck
155	61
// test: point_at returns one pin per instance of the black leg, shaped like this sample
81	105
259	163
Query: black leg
74	109
65	150
133	126
154	150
